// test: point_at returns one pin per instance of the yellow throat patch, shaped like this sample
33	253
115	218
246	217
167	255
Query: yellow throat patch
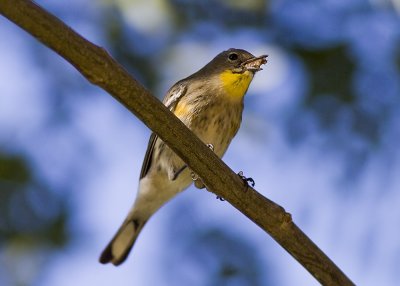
236	84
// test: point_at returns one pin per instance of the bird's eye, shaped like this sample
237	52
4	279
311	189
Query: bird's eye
233	56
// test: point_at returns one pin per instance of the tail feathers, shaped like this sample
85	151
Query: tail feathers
119	247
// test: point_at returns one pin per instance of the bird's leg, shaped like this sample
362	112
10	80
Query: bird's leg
198	183
196	179
245	180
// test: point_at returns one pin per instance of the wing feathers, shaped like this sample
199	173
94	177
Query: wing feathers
171	100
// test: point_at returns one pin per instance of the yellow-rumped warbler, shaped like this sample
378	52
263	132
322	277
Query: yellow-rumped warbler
210	103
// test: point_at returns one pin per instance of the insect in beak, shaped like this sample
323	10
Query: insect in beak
254	64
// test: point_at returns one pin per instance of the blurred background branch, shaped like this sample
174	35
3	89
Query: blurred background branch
99	68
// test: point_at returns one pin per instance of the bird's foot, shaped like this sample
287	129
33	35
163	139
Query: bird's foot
198	183
211	146
246	181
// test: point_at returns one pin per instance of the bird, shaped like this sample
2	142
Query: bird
210	103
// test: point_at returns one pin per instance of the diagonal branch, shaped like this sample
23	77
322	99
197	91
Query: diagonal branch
101	69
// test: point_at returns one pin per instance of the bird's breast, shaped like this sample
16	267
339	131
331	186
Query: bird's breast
214	123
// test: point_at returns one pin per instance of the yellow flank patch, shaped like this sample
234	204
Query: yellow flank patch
236	84
181	109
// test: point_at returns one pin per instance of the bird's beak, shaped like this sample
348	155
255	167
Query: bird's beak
254	64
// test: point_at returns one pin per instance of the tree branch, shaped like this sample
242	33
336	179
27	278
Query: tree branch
101	69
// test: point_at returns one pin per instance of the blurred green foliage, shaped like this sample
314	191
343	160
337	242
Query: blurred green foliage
330	71
28	209
224	13
32	218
